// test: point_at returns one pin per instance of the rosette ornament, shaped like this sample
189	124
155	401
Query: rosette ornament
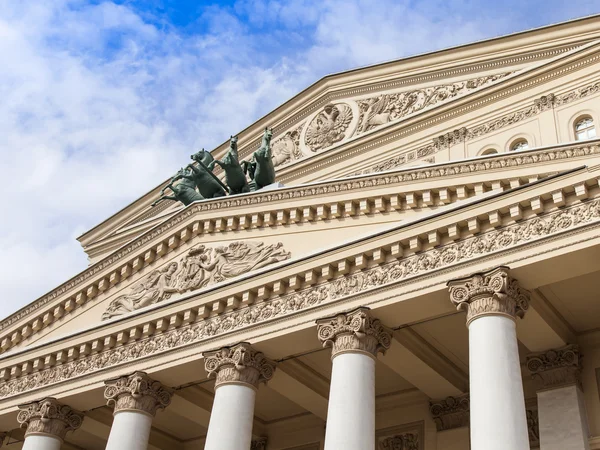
489	293
137	392
354	332
48	417
240	364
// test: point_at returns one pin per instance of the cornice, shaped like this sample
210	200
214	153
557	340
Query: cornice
177	229
425	247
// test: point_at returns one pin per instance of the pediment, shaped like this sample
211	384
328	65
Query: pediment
216	242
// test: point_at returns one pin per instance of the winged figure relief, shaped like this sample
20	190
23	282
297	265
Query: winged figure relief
200	267
286	149
328	127
376	112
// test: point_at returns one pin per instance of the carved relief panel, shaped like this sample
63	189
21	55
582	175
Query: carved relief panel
403	437
201	266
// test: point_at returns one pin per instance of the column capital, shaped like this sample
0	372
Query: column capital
354	332
137	392
556	368
240	364
489	293
259	444
48	417
452	412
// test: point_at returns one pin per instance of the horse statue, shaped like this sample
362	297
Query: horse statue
261	168
234	175
184	191
208	184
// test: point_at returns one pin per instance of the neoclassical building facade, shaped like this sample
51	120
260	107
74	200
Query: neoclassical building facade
424	275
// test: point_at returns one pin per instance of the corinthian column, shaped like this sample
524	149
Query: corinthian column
355	339
493	301
561	408
136	398
238	370
47	422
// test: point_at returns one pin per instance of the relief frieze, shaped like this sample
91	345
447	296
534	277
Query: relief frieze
200	267
277	307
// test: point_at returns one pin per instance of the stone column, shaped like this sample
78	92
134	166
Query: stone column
355	338
238	370
561	408
47	422
493	301
136	398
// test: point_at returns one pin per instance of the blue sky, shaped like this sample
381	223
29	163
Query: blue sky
102	100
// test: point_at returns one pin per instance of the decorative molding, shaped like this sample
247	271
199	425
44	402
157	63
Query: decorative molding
450	413
404	437
240	364
489	293
556	368
462	135
48	417
259	444
198	268
286	149
137	392
91	279
354	332
526	231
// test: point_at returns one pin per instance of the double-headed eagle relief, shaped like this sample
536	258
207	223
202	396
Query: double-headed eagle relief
198	182
200	267
328	127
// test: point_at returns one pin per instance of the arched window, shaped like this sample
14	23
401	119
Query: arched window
489	151
520	144
585	129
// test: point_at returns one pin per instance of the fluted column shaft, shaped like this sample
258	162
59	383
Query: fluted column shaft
238	371
47	422
561	409
355	338
136	399
493	301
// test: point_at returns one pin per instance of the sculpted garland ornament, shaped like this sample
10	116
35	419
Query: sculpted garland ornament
48	416
137	392
200	267
240	364
520	233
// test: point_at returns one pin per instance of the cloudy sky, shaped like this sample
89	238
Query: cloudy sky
102	100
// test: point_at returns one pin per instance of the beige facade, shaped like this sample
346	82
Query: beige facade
426	278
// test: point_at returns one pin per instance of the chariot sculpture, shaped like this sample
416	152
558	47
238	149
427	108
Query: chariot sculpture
198	182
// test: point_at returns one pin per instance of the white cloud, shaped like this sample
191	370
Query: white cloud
99	103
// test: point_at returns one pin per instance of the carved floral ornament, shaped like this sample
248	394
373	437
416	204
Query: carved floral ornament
405	441
199	267
356	331
556	368
490	293
519	234
48	417
240	364
137	392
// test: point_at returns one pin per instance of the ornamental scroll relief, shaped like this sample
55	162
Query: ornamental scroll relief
200	267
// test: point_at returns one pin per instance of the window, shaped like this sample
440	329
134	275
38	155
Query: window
489	151
521	144
585	129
